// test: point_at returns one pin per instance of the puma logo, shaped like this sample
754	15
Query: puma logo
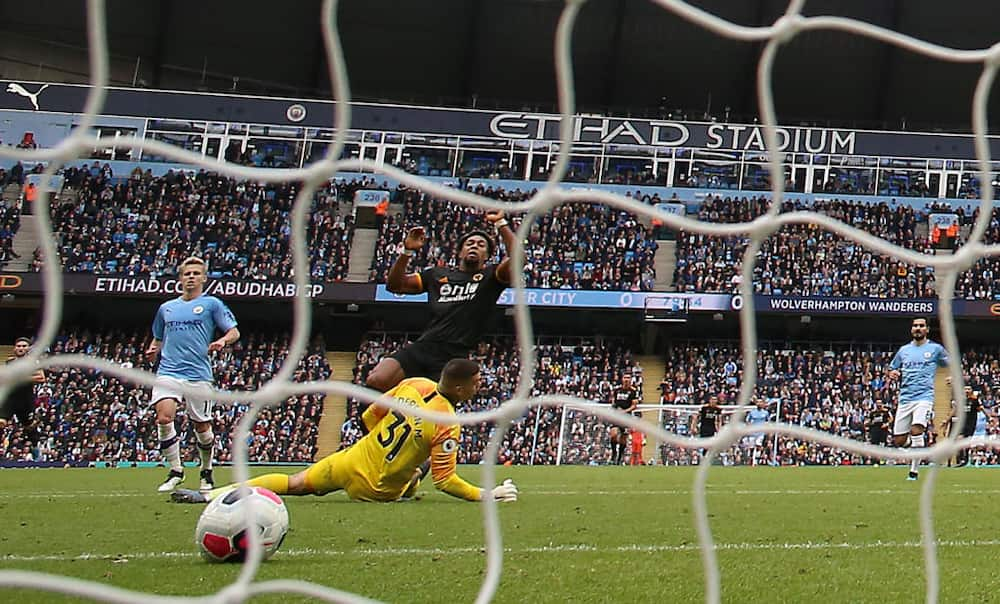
19	90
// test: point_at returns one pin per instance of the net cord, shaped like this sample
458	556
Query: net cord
785	28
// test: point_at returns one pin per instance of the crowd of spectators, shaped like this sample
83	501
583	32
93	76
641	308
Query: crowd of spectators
84	415
833	389
572	367
806	260
10	222
575	246
87	416
146	225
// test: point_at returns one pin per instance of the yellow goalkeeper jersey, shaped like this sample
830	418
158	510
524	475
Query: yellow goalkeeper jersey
397	444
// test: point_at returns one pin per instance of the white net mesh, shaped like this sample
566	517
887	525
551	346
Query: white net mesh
280	387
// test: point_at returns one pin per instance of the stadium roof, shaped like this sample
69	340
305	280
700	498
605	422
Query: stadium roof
631	57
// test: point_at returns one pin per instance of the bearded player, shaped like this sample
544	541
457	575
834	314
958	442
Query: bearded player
625	398
915	365
20	401
385	464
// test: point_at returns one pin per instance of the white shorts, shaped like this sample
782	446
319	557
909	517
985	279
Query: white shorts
198	409
917	413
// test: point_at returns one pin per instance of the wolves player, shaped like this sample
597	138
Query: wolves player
970	425
915	363
182	337
460	300
625	398
709	418
384	464
21	398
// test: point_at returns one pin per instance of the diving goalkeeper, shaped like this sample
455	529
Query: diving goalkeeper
385	464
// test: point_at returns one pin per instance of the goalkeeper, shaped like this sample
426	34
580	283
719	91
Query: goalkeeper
385	464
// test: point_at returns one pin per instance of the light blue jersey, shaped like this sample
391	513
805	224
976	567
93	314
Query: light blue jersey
758	415
982	422
918	365
186	328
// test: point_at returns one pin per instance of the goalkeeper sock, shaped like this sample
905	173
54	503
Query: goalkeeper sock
916	442
206	447
276	483
170	449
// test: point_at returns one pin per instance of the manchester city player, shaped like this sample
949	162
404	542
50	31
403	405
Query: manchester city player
183	333
916	363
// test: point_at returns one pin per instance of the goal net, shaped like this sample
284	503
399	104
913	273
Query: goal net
773	36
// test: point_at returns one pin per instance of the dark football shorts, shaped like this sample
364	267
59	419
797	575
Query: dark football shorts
18	404
427	359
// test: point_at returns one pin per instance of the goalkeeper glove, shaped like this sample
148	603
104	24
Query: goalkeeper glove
506	491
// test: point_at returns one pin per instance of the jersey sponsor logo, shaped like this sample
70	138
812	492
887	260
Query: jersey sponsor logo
182	325
198	309
449	446
457	293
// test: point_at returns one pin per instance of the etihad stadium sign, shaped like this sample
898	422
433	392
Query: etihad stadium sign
312	118
658	133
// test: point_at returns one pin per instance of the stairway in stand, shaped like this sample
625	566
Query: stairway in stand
334	405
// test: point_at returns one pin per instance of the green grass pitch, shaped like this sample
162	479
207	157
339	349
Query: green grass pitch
577	534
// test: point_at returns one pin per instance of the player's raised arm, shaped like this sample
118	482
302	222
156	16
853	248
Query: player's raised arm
496	217
398	280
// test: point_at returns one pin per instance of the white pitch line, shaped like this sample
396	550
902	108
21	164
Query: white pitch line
944	491
599	493
544	549
72	494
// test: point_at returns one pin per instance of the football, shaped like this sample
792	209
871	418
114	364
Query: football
221	533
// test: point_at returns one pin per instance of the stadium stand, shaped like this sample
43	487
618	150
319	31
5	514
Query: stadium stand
572	366
146	225
84	416
833	388
578	246
10	222
803	259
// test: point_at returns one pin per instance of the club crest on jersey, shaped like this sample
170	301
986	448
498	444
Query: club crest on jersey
477	277
927	355
198	310
449	446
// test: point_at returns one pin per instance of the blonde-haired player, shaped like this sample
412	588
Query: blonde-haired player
385	464
183	333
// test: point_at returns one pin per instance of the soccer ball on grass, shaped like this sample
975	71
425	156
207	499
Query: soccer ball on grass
221	532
